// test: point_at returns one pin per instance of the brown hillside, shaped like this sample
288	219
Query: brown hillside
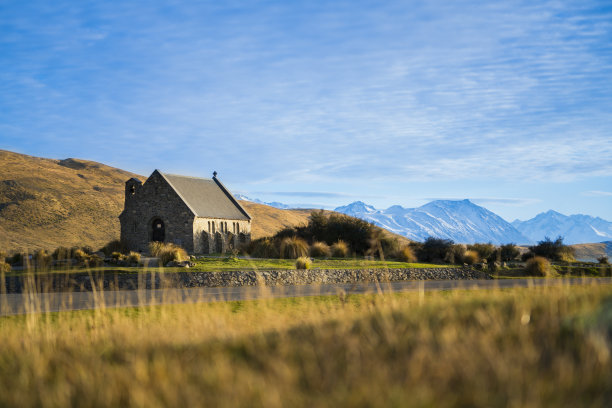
45	203
591	252
268	220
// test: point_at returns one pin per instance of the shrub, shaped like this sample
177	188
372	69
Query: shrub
340	249
434	249
118	256
603	260
470	257
95	260
485	251
114	246
133	258
509	252
80	255
406	255
320	250
263	248
454	255
538	266
303	263
16	259
293	248
4	267
553	250
168	252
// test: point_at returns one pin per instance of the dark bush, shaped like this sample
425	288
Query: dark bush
263	248
603	260
455	254
485	251
509	252
553	250
435	249
115	246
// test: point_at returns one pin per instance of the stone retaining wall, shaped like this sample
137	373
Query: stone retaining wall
110	280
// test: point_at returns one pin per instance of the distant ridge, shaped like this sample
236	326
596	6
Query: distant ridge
575	229
459	220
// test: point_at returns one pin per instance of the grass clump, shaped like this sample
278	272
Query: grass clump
406	255
340	249
303	263
133	258
470	257
538	266
4	267
320	250
293	248
167	252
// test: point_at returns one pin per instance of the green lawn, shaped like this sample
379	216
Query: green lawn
217	264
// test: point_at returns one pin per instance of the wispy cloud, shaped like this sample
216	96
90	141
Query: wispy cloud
307	96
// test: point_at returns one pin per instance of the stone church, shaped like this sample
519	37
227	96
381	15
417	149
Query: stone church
199	214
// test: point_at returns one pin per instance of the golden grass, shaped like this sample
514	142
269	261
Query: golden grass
547	346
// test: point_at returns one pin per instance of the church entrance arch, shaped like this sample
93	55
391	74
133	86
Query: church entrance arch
159	230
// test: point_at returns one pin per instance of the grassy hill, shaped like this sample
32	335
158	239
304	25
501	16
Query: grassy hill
45	203
590	252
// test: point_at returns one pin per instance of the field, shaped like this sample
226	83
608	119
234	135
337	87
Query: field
520	347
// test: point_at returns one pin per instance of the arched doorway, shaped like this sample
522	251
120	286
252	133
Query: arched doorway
159	230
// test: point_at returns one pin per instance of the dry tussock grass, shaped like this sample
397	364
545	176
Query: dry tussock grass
521	347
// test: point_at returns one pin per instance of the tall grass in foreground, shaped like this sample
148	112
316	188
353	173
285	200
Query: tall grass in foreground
521	347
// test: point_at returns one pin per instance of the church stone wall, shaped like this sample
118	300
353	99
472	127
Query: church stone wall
210	236
155	199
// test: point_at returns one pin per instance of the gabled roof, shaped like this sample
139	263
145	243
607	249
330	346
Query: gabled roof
206	197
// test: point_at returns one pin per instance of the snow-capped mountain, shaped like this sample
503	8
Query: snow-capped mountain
462	221
574	229
275	204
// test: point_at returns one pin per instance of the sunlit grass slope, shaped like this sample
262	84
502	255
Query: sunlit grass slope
520	347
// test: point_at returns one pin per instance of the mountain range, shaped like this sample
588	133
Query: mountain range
465	222
575	229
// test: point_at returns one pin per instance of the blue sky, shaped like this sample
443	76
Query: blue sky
322	103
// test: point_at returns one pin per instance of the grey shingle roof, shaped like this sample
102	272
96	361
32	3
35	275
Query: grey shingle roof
206	197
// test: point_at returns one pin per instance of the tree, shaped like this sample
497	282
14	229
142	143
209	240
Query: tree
509	252
553	250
